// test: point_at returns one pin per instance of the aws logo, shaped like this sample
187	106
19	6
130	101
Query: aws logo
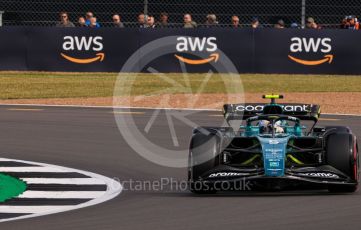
83	44
311	45
193	44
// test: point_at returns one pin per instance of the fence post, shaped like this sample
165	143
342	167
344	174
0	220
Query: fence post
303	14
145	10
1	18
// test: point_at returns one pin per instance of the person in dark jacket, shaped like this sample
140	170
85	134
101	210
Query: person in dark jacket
163	20
141	21
235	22
81	22
255	23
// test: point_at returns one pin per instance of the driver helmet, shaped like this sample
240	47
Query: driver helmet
278	128
263	126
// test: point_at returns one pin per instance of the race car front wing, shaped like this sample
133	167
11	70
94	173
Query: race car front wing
313	177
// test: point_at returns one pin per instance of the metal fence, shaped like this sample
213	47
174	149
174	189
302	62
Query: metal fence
327	13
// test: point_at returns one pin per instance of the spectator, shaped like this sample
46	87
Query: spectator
64	20
188	22
211	20
235	22
280	24
141	21
344	23
94	23
150	22
89	16
350	23
116	21
354	23
81	22
255	23
163	20
311	24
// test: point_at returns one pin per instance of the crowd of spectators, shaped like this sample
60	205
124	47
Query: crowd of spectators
148	21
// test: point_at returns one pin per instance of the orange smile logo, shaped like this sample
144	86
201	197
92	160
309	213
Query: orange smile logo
212	57
327	58
98	57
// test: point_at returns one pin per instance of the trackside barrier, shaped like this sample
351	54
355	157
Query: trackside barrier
290	51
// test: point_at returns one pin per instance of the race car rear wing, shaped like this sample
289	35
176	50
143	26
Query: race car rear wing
244	111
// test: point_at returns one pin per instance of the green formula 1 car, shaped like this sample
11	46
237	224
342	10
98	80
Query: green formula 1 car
273	150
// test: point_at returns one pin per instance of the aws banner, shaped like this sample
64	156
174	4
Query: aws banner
307	51
80	49
177	50
108	49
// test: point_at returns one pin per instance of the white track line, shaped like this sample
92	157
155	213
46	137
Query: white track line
108	107
145	108
78	181
62	195
32	209
31	169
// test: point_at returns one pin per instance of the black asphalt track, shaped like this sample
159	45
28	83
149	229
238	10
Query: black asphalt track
88	139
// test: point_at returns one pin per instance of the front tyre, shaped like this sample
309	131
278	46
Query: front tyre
202	158
342	154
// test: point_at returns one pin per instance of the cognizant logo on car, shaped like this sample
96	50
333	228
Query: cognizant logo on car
74	44
287	108
311	45
193	44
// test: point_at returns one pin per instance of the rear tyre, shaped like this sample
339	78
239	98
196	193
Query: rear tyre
342	154
202	158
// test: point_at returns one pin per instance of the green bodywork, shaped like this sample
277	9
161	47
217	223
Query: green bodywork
10	187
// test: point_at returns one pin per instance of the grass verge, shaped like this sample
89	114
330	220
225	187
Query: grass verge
34	85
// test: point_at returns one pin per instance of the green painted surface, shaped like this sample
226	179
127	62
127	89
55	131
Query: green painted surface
10	187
